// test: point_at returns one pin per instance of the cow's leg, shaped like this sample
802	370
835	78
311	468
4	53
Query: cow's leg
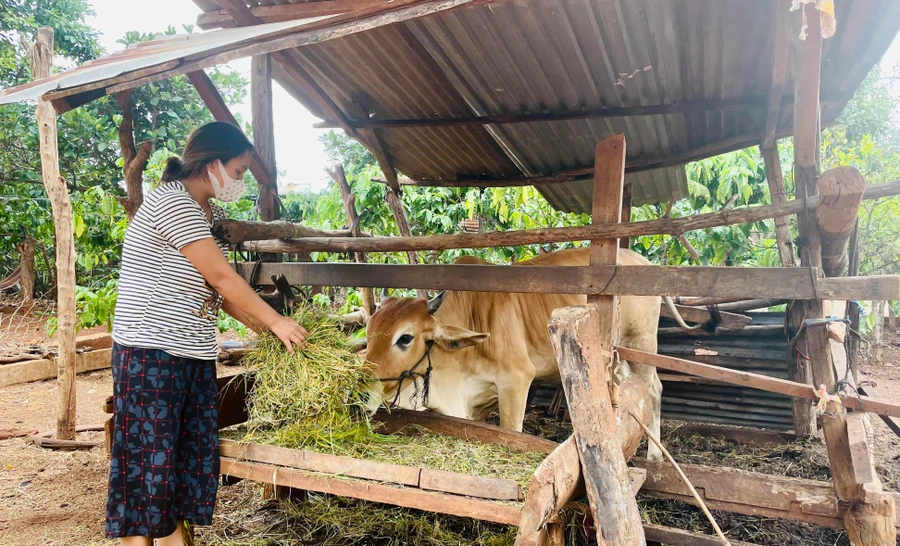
650	378
512	396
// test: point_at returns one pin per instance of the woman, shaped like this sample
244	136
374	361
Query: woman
174	279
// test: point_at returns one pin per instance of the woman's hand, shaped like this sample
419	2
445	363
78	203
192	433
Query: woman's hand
288	331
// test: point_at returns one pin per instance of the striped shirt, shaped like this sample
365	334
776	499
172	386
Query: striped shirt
164	302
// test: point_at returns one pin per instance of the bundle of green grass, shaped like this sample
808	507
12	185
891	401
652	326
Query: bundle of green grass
315	399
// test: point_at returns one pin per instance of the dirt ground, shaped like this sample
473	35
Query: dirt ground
58	497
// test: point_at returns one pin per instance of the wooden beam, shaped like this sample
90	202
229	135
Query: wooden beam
633	165
314	32
698	107
578	344
779	73
264	133
665	226
731	321
893	423
216	104
738	282
284	12
41	57
680	537
775	180
397	420
749	493
753	380
239	231
553	485
840	193
441	503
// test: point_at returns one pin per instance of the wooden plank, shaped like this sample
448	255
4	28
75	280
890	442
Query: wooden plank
666	226
39	370
441	503
284	12
577	344
840	195
470	486
867	390
464	429
775	179
680	537
732	321
695	107
748	493
752	380
553	485
217	107
264	133
322	462
637	280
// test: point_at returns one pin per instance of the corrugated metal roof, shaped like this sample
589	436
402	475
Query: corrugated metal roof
543	56
156	53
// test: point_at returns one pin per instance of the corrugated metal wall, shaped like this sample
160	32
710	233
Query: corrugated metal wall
696	400
709	402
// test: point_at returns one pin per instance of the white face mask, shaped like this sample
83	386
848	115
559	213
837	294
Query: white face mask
225	188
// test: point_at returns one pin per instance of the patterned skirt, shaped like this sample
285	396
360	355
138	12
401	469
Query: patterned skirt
165	447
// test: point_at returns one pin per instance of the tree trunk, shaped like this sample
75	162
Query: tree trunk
876	355
134	159
41	59
26	275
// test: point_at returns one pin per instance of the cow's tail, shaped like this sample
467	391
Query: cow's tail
711	326
677	316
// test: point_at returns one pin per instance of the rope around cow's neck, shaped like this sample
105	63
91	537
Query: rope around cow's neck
412	374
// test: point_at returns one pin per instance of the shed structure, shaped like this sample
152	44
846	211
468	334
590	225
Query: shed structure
546	93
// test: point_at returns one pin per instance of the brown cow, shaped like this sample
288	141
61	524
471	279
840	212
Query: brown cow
483	350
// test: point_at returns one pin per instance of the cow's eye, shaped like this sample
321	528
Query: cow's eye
404	341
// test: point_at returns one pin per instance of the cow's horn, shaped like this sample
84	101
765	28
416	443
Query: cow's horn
435	303
384	294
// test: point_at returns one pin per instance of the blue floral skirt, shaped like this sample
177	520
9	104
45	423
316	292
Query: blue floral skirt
165	445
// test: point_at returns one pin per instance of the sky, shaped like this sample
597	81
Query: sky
298	152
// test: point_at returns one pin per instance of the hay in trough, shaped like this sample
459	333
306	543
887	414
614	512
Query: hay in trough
315	399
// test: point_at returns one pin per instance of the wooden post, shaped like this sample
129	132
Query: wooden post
840	195
41	60
851	467
578	347
134	159
337	174
264	134
776	190
625	242
26	270
853	307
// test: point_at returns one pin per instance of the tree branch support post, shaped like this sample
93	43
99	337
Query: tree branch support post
870	521
776	191
337	174
41	60
134	158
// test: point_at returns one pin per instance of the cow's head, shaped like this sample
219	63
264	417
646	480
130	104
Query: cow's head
401	331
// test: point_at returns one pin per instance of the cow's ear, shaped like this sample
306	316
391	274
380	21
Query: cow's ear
452	338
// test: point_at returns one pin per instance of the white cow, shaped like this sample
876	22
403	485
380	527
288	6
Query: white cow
483	350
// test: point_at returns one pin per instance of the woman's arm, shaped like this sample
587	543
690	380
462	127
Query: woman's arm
238	314
207	257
